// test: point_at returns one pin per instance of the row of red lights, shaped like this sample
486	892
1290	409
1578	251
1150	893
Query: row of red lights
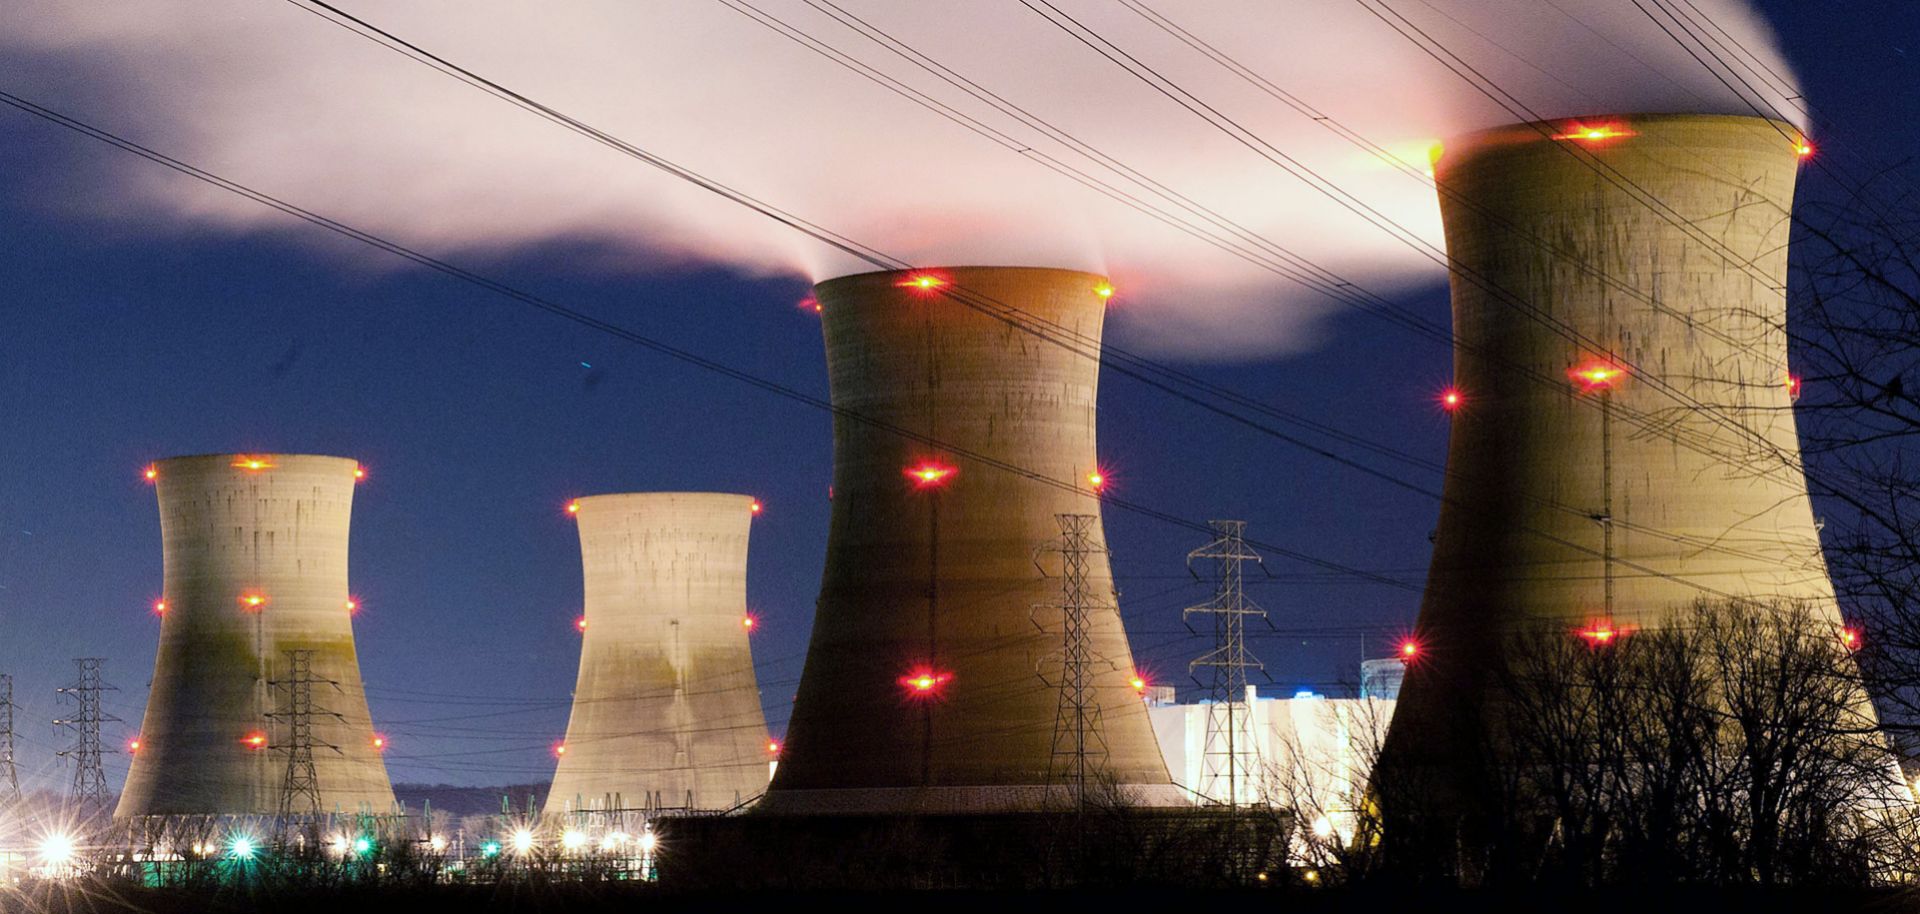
251	464
1601	633
1590	376
1602	132
258	740
251	601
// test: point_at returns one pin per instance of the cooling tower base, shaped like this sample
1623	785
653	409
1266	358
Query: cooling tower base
960	800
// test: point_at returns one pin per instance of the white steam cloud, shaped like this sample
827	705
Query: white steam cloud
271	95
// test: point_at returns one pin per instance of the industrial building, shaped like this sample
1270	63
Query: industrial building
257	706
1623	438
666	712
963	431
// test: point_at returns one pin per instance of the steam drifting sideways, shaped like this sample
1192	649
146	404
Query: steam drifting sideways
272	95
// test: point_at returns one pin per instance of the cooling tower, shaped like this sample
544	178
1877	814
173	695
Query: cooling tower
1619	309
666	713
959	438
255	566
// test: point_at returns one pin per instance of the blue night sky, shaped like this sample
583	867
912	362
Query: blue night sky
478	418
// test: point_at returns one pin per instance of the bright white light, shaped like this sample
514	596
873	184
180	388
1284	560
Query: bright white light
337	844
57	850
612	841
1322	828
648	841
522	841
437	843
573	840
241	848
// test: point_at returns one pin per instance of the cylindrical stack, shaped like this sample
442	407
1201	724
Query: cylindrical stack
962	438
255	566
1619	302
666	713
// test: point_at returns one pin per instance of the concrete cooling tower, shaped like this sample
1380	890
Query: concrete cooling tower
666	713
1619	306
961	438
255	567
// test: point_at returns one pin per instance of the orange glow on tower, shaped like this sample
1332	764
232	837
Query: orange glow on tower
924	683
1851	638
1409	649
1804	150
159	607
245	462
773	747
359	472
133	745
580	623
1097	479
1603	632
1594	134
925	282
755	507
255	740
152	473
1596	374
1104	291
353	605
1793	387
573	507
1139	683
1451	400
929	474
379	742
252	602
559	749
748	622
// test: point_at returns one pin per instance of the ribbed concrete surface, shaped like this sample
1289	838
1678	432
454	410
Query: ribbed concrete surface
666	712
1708	498
942	578
279	532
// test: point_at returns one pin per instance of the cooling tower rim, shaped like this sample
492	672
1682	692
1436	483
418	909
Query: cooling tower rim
608	497
1475	141
231	455
872	275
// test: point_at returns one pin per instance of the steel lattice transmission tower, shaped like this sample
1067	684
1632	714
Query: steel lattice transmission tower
300	787
89	775
9	775
1079	749
1228	662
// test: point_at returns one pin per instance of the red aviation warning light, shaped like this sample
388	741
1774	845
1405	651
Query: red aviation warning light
152	472
810	304
559	749
1596	374
353	605
773	747
755	507
159	607
573	507
929	474
580	623
1850	637
748	622
251	602
379	742
359	473
1451	399
1409	649
925	282
1804	150
1139	683
1097	479
1793	388
1104	290
255	740
133	745
245	462
924	683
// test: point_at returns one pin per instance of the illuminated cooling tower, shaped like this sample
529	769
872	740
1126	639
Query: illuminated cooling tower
666	713
1619	305
961	439
256	566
